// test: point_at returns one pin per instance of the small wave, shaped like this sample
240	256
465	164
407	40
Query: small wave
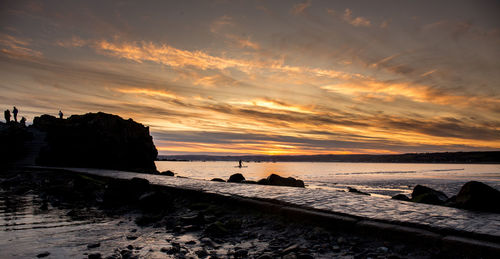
444	170
378	172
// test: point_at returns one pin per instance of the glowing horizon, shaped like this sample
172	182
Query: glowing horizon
270	78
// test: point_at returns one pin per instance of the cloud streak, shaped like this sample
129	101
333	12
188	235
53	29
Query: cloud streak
266	77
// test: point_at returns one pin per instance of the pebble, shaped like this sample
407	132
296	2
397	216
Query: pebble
131	237
201	253
290	249
240	253
44	254
95	245
383	249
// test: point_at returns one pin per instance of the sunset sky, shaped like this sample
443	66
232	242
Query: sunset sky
264	77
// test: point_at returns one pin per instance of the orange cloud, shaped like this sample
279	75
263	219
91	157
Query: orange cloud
274	105
355	21
168	55
148	92
300	7
15	47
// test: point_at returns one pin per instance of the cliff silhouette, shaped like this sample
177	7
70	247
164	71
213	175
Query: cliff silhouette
96	140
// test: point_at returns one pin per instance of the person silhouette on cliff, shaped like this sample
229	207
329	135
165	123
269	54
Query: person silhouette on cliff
15	111
60	114
6	114
23	121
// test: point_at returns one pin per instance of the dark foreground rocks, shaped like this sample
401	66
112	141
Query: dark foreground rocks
13	138
272	179
277	180
472	196
354	190
236	178
423	194
96	140
190	224
477	196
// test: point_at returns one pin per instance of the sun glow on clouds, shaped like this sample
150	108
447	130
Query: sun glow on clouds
273	105
148	92
277	78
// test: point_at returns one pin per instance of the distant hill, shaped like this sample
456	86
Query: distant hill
485	157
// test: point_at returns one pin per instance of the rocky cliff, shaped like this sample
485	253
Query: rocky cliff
96	140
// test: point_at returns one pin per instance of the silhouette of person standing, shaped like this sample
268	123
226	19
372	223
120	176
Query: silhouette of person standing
60	114
23	121
240	164
6	114
15	111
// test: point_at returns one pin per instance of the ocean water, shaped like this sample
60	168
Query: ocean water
378	179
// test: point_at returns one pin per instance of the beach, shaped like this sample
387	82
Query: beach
96	221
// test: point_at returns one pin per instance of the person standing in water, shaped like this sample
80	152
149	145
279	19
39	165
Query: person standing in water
15	111
240	164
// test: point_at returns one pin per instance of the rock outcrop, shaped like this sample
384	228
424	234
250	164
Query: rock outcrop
96	140
277	180
13	138
401	197
272	179
477	196
236	178
167	173
356	191
423	194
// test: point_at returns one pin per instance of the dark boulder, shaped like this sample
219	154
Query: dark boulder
236	178
167	173
401	197
275	179
423	194
477	196
120	191
217	180
14	139
95	256
263	181
354	190
44	254
96	140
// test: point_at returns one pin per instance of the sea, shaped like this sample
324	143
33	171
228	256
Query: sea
378	179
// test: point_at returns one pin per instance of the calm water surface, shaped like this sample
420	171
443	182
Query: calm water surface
375	178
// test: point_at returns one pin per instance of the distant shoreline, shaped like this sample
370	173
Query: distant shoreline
482	157
441	163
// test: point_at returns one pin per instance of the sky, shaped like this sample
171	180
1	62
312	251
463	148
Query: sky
264	77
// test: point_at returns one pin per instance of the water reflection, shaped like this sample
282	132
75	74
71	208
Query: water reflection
376	178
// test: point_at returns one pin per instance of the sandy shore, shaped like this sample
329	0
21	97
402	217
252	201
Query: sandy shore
158	222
